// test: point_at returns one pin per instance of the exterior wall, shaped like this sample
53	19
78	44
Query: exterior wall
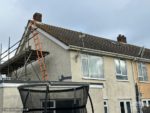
1	99
11	100
97	103
114	90
144	87
57	61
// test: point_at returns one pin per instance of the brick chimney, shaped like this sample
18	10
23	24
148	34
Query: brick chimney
37	17
121	39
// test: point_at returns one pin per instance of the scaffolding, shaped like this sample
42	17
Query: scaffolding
11	61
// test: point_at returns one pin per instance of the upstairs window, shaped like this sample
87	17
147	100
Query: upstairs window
92	66
142	72
121	69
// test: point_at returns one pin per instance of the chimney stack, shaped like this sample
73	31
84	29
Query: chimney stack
37	17
121	39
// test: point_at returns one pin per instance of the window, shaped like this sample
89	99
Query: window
70	103
67	104
121	69
146	102
50	104
125	107
105	106
92	66
142	72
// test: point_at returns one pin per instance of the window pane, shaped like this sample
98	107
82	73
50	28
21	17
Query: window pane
85	67
67	104
128	107
141	78
95	67
118	71
149	103
122	107
140	69
142	72
123	67
144	103
145	74
122	77
100	65
50	104
105	107
105	110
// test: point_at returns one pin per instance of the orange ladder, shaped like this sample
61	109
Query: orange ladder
38	47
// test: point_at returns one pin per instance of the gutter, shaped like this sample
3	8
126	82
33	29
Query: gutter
100	52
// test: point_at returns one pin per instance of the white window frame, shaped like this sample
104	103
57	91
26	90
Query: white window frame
87	58
54	104
121	74
125	105
146	100
142	76
106	106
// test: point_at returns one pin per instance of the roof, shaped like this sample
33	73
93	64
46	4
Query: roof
70	37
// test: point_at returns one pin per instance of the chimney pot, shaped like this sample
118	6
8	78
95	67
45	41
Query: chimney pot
121	39
37	17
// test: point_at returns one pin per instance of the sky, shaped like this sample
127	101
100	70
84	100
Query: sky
103	18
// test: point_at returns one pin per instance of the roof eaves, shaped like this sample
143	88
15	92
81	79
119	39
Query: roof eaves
105	53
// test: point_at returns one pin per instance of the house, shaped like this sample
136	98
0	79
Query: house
79	57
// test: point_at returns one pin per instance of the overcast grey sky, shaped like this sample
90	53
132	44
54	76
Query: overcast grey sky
104	18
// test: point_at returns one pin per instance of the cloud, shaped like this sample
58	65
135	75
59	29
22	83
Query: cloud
105	18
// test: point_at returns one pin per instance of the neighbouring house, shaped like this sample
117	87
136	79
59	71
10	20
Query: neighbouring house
114	68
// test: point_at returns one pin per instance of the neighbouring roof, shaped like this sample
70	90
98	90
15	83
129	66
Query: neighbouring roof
70	37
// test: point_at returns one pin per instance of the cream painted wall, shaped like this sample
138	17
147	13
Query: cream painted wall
97	102
1	99
57	61
11	100
114	90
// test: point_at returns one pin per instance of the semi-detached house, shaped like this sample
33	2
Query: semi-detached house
86	58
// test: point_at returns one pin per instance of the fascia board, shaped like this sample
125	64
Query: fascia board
53	39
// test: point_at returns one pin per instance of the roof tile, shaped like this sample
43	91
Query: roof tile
70	37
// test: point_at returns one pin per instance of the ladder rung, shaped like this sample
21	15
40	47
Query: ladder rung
35	39
45	75
37	44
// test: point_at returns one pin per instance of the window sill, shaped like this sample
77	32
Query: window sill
145	82
99	79
122	80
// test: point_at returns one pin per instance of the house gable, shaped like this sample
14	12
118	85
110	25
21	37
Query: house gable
27	35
